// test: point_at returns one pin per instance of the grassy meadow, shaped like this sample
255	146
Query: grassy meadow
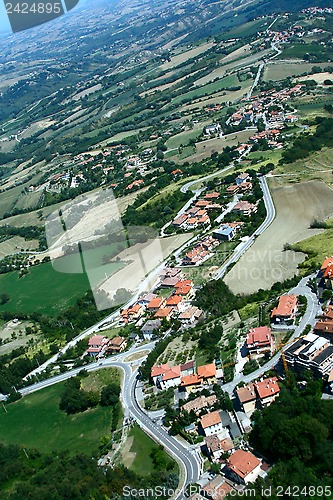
36	422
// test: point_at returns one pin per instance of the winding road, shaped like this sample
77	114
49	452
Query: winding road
187	458
242	247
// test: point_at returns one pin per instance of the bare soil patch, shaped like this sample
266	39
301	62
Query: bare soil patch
127	455
184	56
266	262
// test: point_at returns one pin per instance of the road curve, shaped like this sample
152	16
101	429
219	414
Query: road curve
309	318
241	248
187	459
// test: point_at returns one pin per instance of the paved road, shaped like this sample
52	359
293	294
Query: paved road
188	185
242	247
187	458
313	309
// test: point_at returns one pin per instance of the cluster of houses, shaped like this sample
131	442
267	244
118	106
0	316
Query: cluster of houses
158	307
241	468
242	184
186	376
313	351
201	252
197	215
268	106
100	346
258	394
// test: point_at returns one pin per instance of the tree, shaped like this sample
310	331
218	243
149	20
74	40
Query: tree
110	394
4	298
327	295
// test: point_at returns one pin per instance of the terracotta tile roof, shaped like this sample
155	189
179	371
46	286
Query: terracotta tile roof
328	272
328	313
163	313
190	380
207	371
173	372
174	300
181	283
180	220
211	196
156	303
268	387
261	335
227	444
202	203
242	463
325	326
246	394
286	306
98	340
184	290
157	370
327	262
210	419
117	341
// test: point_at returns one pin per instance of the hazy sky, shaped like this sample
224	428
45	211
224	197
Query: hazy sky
4	23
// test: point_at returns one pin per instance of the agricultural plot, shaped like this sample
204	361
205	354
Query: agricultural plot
205	149
279	70
65	290
266	262
241	63
317	166
16	244
36	422
184	56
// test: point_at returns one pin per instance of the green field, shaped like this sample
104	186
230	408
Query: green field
317	248
142	446
43	290
36	422
55	291
281	70
209	89
246	29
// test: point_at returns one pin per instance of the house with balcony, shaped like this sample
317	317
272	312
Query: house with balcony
97	345
259	341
